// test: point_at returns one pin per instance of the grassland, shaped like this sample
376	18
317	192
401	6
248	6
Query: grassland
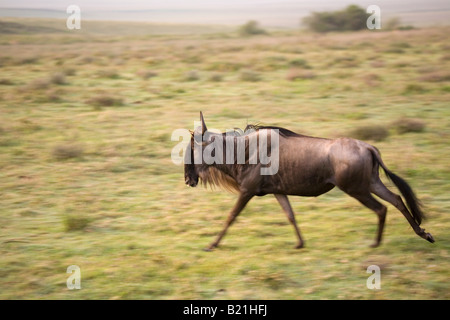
86	177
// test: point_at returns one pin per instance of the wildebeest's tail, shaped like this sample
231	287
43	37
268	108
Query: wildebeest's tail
413	203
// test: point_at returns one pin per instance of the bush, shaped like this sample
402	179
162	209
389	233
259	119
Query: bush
392	23
223	66
50	95
296	74
146	74
350	19
370	132
58	78
69	71
6	82
108	73
413	88
437	76
406	125
299	63
105	100
27	60
191	76
216	77
73	222
378	64
251	28
67	151
38	84
372	79
251	76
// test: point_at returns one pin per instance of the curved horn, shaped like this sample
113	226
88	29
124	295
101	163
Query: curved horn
203	123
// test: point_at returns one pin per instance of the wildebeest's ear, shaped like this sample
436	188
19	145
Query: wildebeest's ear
203	123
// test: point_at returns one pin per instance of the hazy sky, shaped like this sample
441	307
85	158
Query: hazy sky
411	5
268	12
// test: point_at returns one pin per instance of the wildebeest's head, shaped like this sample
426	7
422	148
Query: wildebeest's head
192	170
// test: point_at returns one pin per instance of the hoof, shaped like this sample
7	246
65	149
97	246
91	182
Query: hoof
429	237
375	245
299	246
210	248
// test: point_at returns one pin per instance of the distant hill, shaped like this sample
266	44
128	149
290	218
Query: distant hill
110	28
9	27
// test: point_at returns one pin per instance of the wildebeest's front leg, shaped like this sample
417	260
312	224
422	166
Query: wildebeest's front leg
284	202
240	204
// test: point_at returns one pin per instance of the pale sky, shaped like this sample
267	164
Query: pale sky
411	5
268	12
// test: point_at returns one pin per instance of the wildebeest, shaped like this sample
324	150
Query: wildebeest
307	166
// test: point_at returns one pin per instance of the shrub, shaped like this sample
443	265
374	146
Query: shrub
146	74
414	88
370	132
108	73
406	125
216	77
296	74
27	60
67	151
392	23
58	78
251	76
50	95
394	50
105	100
86	60
377	64
372	79
345	61
38	84
299	63
402	45
224	66
191	75
445	57
437	76
69	71
74	222
350	19
251	28
6	82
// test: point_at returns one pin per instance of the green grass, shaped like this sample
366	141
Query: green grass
86	177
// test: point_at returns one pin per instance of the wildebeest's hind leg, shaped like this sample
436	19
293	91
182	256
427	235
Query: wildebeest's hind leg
284	202
384	193
240	204
371	203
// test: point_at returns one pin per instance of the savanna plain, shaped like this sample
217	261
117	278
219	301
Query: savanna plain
86	176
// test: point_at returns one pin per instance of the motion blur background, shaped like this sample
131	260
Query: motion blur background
86	119
285	13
